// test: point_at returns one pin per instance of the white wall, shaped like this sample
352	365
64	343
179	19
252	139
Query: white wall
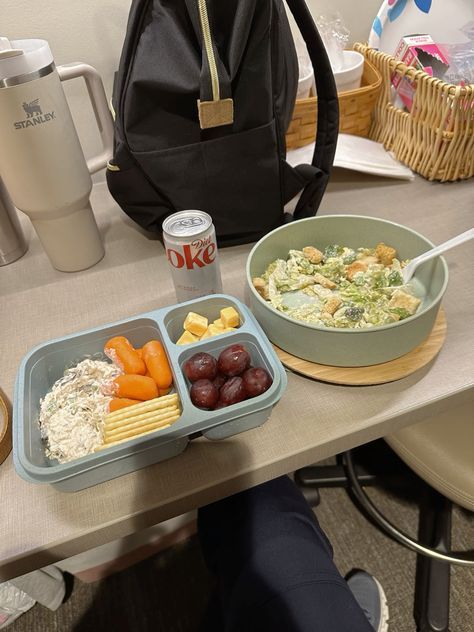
92	31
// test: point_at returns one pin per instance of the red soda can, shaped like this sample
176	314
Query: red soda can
191	249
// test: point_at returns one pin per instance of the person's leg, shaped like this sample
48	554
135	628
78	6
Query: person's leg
273	564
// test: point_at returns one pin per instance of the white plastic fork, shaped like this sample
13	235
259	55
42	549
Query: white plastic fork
409	270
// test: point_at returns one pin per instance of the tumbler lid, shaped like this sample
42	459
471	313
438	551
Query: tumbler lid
23	57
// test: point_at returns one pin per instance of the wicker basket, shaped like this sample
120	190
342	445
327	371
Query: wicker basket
355	111
435	139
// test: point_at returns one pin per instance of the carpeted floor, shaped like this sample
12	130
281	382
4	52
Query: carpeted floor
168	592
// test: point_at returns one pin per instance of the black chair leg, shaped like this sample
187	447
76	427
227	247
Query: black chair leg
374	464
312	495
432	585
310	479
332	476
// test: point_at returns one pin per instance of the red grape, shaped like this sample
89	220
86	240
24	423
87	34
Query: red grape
220	404
200	366
256	381
219	380
234	347
204	394
234	360
232	391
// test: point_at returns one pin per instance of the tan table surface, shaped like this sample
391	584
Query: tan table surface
40	525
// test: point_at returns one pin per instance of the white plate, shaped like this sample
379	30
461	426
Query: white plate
357	154
447	21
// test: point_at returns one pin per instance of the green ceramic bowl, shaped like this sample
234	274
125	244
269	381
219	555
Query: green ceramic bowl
348	347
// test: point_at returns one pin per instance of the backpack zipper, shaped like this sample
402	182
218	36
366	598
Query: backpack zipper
218	111
207	37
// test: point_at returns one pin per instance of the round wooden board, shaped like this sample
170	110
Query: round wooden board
5	431
377	373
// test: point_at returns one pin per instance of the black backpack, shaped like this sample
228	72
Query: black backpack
203	96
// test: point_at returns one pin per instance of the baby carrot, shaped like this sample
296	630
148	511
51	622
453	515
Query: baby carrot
157	363
135	387
122	402
121	352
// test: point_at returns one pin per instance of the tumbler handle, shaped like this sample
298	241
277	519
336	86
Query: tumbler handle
102	114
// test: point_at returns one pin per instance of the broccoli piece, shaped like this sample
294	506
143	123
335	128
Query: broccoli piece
354	313
332	270
333	251
379	280
395	278
349	258
359	279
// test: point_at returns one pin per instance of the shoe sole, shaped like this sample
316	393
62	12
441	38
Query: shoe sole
384	615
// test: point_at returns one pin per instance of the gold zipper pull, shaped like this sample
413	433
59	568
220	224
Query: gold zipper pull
218	111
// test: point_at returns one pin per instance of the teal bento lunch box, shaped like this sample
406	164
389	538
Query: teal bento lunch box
46	363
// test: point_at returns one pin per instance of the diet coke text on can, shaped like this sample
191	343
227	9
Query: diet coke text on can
191	249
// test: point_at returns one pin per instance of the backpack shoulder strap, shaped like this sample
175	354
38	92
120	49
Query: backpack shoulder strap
328	111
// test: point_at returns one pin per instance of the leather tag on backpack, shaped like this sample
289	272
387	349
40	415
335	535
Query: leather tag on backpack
215	113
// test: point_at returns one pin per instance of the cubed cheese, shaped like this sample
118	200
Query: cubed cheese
215	330
230	317
186	338
211	331
195	323
218	323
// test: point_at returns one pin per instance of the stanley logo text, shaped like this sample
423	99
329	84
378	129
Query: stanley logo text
34	115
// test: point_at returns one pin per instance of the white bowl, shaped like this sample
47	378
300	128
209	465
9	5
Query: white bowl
350	76
306	78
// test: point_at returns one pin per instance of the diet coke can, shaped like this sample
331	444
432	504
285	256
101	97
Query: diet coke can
191	250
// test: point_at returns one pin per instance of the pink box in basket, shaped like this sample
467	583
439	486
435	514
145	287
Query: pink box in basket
423	53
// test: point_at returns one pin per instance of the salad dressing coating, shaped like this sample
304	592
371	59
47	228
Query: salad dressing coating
340	287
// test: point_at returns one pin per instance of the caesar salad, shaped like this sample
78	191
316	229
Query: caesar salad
339	286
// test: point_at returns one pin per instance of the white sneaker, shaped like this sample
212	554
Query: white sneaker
371	598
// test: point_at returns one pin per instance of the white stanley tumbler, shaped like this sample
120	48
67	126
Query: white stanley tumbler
41	159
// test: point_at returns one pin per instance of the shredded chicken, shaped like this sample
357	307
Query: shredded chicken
71	414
